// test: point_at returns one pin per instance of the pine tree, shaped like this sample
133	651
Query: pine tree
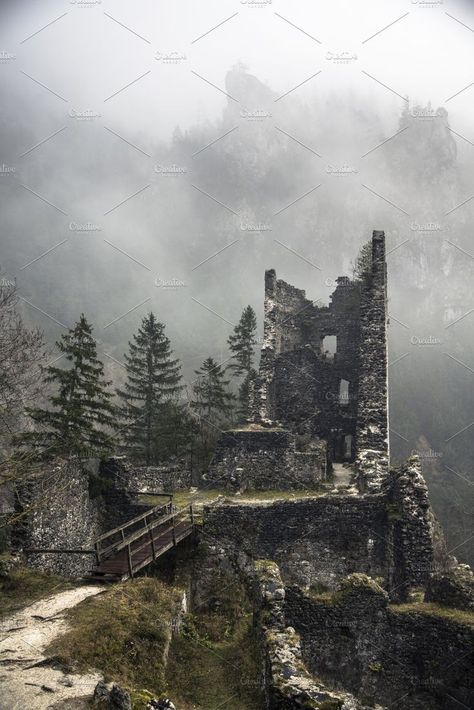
212	400
152	386
242	343
81	408
213	404
176	431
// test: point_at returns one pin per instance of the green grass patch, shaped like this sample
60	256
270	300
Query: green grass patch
23	586
466	618
274	495
215	663
215	660
123	633
204	496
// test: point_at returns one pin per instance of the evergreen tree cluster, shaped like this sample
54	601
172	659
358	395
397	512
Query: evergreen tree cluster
150	418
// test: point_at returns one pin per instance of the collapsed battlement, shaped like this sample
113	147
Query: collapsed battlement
323	375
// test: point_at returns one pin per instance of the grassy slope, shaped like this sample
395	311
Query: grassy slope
122	633
215	661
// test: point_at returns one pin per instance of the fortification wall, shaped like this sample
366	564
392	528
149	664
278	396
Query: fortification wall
148	479
65	506
315	541
318	541
372	406
287	682
410	656
417	551
58	513
264	459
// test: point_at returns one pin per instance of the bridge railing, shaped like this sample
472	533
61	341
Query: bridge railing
112	541
175	527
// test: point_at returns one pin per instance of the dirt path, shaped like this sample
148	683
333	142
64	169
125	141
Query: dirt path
343	476
26	679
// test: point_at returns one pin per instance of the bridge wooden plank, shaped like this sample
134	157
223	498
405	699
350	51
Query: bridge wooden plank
143	546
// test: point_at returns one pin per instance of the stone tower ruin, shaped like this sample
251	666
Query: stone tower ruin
320	399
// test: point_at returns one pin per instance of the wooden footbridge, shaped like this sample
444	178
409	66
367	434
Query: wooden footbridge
120	553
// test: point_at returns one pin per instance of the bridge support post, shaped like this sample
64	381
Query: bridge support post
129	555
153	551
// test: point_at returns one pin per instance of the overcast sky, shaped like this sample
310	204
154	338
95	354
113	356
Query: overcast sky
85	55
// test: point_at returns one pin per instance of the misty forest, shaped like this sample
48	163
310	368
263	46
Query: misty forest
236	356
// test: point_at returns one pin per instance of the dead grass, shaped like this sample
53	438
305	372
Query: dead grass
122	633
466	618
23	586
205	496
213	661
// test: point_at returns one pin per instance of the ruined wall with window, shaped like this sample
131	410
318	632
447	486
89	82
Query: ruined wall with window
323	370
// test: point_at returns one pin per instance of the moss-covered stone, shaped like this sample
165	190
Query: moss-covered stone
457	616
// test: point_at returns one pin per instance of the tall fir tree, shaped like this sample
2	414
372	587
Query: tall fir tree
242	343
212	399
213	403
149	396
81	410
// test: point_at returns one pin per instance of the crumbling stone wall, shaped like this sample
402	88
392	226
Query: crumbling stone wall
58	513
340	398
318	541
372	424
453	588
149	479
280	333
288	684
410	656
315	541
66	505
300	380
265	459
410	530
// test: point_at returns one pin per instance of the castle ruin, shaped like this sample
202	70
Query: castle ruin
320	400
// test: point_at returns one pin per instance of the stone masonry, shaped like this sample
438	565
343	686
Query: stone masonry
322	377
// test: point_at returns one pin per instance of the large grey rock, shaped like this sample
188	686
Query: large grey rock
114	699
454	589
